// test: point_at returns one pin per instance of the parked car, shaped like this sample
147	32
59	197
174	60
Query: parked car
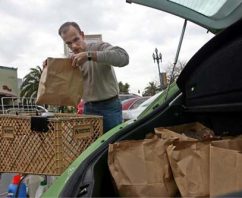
133	103
123	97
18	105
80	107
18	109
133	113
208	90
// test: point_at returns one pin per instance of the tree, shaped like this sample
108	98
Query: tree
123	88
151	89
29	87
179	67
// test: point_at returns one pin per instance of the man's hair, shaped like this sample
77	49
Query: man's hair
65	26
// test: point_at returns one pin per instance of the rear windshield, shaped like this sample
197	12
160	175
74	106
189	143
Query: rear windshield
212	8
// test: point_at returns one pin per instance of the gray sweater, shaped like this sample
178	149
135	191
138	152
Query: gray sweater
99	79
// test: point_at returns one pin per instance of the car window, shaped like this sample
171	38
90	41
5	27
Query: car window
123	97
126	100
210	8
150	100
137	103
214	15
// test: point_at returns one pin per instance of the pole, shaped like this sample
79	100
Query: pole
177	55
157	57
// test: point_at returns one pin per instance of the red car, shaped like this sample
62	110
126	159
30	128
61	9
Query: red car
122	97
133	103
80	107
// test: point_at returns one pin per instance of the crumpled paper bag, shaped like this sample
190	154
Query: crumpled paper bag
189	161
165	133
140	168
194	130
225	167
189	157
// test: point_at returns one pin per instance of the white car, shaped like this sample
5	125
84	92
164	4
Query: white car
26	109
134	113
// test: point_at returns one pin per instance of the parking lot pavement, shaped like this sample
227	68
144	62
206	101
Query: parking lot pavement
5	180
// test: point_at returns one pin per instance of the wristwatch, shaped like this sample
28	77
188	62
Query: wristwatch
89	56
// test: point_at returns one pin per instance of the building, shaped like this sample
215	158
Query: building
8	82
90	38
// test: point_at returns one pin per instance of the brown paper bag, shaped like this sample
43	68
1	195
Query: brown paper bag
60	83
141	168
225	167
165	133
193	130
189	161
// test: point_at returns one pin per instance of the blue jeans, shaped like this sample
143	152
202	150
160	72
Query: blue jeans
110	110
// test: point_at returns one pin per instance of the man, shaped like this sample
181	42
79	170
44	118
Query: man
95	61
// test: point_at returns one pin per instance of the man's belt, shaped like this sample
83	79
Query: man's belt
106	100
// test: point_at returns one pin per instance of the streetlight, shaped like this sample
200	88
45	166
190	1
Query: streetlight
158	58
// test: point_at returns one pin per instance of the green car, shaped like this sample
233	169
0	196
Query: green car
209	90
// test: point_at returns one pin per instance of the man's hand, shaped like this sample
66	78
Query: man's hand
79	59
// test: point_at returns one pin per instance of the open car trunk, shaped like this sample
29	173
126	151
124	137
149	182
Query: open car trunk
210	93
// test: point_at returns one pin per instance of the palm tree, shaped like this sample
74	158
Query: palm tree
29	87
151	89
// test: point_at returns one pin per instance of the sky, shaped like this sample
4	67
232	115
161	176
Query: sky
29	34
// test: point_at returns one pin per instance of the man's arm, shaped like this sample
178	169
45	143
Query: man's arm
104	53
112	55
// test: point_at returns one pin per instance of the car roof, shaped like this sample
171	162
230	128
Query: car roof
214	15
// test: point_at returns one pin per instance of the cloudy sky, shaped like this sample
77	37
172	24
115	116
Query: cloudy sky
29	34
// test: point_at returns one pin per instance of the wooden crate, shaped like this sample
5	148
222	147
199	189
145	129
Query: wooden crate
49	153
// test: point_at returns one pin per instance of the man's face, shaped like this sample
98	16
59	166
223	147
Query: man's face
74	40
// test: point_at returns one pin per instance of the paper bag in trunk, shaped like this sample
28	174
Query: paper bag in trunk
165	133
225	167
141	168
189	161
193	130
60	83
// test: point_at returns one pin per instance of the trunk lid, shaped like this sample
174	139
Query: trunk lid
214	15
